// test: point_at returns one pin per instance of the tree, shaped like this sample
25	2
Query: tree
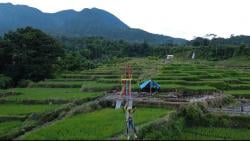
199	41
72	62
29	54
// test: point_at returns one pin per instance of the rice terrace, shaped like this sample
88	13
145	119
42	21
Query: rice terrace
113	82
57	109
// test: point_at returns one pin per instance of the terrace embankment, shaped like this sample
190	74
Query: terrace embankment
168	100
241	107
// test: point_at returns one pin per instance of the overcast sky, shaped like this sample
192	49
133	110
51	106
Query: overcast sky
177	18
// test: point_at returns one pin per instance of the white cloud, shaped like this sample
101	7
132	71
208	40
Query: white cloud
178	18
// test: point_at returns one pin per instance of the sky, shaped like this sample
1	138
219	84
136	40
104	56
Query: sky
178	18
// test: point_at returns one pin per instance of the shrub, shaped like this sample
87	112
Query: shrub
193	114
24	83
5	81
163	130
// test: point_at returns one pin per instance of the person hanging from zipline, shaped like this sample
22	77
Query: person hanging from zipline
129	119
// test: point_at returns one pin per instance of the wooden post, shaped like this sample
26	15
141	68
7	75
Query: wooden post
150	88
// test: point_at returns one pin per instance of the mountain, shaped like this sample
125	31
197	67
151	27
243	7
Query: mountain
88	22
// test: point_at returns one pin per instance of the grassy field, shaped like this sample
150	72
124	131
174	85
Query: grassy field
9	125
103	78
21	109
58	84
202	133
189	77
208	77
239	93
97	86
51	93
101	124
71	86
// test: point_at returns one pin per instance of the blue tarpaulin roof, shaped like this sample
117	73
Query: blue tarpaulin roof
149	84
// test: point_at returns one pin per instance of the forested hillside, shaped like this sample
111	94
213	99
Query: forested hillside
28	50
88	23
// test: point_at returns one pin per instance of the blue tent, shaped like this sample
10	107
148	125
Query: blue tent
149	84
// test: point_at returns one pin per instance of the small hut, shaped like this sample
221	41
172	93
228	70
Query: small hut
169	59
149	86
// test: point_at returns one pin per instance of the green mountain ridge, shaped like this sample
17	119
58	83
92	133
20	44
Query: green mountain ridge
88	22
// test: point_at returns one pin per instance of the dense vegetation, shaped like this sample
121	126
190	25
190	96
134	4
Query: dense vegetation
25	51
218	41
28	54
221	48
